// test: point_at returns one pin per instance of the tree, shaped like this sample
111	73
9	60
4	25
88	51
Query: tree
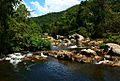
100	11
22	13
26	35
6	9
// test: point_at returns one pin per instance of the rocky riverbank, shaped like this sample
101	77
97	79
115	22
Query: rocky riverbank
16	58
74	48
92	56
84	50
83	57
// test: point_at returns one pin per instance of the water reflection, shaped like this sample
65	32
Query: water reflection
58	70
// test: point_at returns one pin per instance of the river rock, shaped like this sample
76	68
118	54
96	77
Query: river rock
50	38
116	64
115	48
107	56
86	41
29	54
35	58
60	37
88	52
67	41
73	41
99	51
95	42
77	36
56	42
97	58
77	58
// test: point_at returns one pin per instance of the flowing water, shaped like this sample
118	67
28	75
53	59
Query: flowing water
58	70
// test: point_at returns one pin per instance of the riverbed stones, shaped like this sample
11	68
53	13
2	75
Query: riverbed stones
97	58
77	36
88	52
72	55
77	57
107	56
116	63
95	42
35	58
78	39
73	41
83	58
115	48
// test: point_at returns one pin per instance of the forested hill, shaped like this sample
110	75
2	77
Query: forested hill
52	17
48	18
93	18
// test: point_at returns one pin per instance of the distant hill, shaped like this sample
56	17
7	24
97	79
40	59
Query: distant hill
47	19
51	17
91	18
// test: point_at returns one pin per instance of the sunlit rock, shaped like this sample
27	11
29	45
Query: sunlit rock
95	42
72	47
88	51
114	47
73	41
29	54
43	55
77	36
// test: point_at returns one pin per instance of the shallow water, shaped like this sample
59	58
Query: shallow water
58	70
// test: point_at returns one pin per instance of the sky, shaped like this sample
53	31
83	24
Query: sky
42	7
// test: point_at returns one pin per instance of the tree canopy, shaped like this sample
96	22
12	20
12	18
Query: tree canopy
94	18
91	18
17	31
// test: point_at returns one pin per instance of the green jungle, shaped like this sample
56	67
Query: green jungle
97	19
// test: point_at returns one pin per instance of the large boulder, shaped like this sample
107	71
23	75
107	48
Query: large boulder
67	41
73	41
88	52
50	38
115	48
77	36
95	42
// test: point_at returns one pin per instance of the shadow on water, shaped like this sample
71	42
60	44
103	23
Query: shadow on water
58	70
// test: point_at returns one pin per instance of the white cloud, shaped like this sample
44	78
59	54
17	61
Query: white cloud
54	5
32	13
38	6
60	5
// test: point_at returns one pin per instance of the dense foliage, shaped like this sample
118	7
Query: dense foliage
44	21
6	9
93	18
18	32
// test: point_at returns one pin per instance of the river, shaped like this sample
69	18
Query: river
58	70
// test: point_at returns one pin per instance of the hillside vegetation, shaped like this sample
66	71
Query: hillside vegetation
91	18
18	32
